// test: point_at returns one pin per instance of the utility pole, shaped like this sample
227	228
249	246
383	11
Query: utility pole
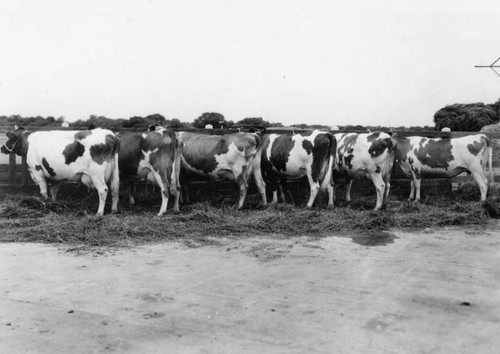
492	66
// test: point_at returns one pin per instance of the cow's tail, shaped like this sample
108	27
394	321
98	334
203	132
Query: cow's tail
391	157
330	162
489	148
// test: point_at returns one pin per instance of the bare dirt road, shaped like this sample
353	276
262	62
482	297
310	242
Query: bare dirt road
434	291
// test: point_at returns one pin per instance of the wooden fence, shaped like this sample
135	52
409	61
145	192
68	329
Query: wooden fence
14	175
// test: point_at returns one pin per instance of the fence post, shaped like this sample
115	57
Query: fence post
24	171
12	168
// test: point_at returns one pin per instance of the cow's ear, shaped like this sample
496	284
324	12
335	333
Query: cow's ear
20	129
152	127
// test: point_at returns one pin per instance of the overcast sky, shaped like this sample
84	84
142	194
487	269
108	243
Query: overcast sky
324	62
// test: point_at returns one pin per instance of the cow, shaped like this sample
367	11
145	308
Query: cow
421	157
154	156
286	156
89	156
235	157
366	155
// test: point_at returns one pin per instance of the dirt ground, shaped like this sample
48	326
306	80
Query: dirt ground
432	291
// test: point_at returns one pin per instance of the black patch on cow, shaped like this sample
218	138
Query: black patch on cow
104	152
475	148
280	151
49	169
372	136
378	169
348	142
83	134
378	146
308	146
73	151
348	158
435	154
402	149
38	167
130	154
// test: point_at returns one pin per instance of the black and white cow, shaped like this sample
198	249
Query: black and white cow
286	156
421	157
366	156
154	156
89	156
235	157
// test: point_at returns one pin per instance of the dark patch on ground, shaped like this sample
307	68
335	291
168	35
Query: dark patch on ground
49	169
73	151
374	238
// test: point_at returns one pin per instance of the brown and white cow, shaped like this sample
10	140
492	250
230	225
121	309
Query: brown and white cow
286	156
235	157
89	156
421	157
366	155
153	156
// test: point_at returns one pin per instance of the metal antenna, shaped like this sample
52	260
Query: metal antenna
492	66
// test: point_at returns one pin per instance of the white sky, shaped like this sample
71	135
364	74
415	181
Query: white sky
290	61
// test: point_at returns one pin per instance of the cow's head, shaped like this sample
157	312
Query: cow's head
14	143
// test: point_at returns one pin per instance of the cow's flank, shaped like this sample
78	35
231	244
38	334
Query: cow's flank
105	151
434	153
476	147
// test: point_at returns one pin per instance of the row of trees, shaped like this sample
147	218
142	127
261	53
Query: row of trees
457	117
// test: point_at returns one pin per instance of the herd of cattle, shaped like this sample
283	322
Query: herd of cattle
100	159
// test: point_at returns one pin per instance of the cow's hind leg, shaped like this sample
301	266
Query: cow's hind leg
54	188
412	190
243	192
314	188
40	180
348	186
102	190
379	184
115	186
482	182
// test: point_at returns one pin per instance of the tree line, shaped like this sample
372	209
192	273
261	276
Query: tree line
457	117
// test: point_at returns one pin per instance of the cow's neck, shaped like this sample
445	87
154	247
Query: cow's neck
21	148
